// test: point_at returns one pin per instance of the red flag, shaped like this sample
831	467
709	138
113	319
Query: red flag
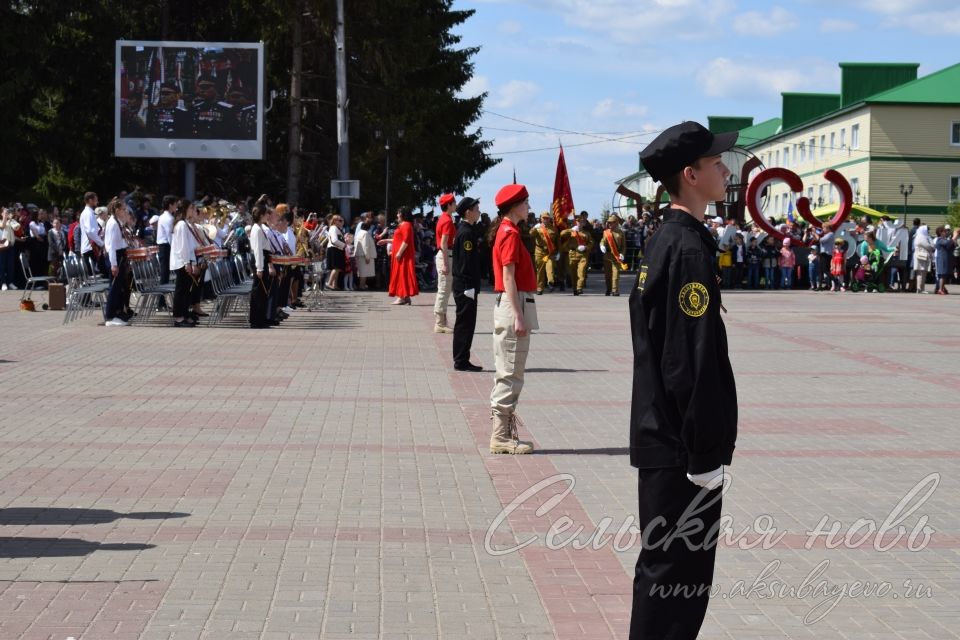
562	197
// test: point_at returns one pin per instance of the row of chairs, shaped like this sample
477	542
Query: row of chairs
87	292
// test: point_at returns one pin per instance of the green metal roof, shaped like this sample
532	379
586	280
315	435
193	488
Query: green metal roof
758	132
858	80
723	124
941	87
799	108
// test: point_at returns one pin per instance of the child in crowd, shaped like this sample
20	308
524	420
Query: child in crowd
788	260
739	260
860	274
350	266
770	255
813	267
754	260
837	266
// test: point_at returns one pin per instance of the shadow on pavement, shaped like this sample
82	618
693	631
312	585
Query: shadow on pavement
604	451
27	516
61	547
555	370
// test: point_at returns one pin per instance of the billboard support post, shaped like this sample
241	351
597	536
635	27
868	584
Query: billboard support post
190	179
343	142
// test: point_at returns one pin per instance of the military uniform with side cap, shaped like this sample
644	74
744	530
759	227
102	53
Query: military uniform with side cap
613	246
683	421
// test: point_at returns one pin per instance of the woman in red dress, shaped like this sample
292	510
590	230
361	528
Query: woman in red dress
403	275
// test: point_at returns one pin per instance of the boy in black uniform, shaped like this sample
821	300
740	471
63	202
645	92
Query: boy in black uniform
683	422
466	282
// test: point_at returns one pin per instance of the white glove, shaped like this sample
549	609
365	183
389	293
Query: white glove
581	248
576	227
621	257
603	248
710	480
556	257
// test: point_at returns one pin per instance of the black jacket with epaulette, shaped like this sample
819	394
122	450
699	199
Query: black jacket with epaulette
684	410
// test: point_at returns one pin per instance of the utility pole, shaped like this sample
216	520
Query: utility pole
343	143
295	143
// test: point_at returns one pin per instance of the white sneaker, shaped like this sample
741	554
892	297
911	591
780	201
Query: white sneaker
13	287
287	310
117	322
4	288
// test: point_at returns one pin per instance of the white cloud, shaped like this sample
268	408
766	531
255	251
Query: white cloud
929	23
754	23
622	20
513	93
835	25
610	107
475	86
726	78
509	27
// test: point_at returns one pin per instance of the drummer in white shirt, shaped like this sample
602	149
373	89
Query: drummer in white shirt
116	247
183	262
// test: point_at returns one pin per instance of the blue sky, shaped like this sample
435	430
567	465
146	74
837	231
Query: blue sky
619	68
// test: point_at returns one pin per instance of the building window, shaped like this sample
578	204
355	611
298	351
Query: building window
855	136
833	142
820	197
954	188
823	145
855	188
955	133
777	163
786	157
803	153
810	194
776	203
813	143
833	194
843	138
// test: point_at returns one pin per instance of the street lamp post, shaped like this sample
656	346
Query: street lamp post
905	191
386	147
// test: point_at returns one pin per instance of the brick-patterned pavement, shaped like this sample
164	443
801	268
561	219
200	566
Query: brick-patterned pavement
330	478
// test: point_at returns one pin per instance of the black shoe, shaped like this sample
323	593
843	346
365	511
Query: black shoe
539	292
186	322
551	289
260	326
616	294
201	314
468	367
607	293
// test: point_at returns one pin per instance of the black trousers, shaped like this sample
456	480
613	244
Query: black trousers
671	586
100	264
163	253
119	292
464	327
259	295
181	292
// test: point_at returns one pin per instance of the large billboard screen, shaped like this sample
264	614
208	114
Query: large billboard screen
189	100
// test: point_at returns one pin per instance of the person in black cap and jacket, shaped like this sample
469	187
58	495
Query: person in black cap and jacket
466	282
683	422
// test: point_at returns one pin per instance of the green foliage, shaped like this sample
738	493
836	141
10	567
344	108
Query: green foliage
404	72
953	215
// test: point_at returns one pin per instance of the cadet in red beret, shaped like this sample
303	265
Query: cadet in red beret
446	233
514	317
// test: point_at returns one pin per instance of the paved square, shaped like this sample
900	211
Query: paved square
330	478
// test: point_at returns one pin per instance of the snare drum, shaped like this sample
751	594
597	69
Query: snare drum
138	254
285	261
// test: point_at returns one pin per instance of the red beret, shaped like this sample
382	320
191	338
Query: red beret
446	199
510	195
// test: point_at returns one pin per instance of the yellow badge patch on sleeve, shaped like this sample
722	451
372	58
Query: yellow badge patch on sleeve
467	246
642	277
694	299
